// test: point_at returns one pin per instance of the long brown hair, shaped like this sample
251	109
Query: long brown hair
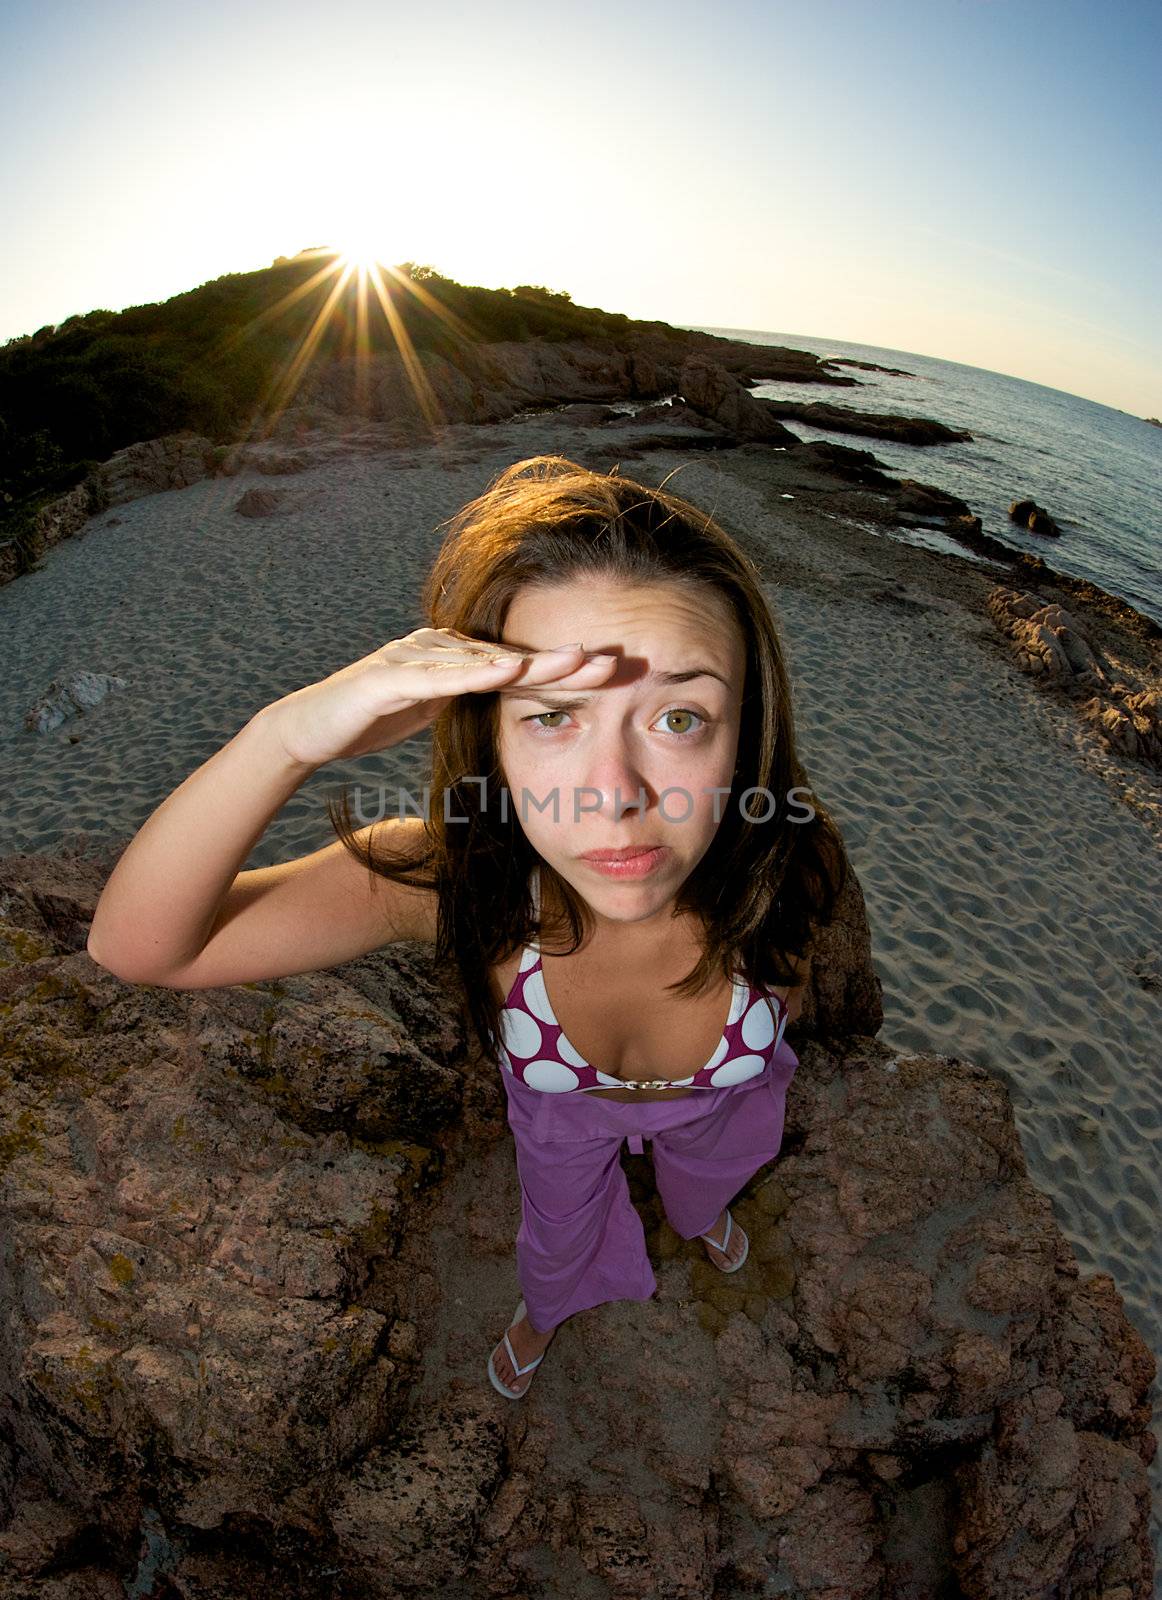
759	892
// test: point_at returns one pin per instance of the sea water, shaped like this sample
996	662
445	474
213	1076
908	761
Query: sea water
1096	470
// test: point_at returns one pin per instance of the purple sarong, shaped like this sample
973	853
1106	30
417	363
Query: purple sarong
581	1241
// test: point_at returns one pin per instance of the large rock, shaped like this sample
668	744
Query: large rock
172	462
1049	641
1051	644
717	394
485	383
259	1242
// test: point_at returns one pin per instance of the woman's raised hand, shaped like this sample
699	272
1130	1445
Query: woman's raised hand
400	688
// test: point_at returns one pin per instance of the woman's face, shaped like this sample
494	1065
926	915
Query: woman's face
589	769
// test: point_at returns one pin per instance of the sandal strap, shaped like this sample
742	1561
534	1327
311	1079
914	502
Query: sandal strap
519	1370
725	1237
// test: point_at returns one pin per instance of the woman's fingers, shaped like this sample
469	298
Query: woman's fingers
472	656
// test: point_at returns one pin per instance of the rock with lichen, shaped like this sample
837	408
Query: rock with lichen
259	1244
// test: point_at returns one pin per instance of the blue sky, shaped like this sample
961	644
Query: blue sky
972	179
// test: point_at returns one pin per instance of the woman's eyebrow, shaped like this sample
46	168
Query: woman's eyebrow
565	702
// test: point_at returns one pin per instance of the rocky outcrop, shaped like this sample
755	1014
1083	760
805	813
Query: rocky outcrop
1053	645
171	462
59	518
926	505
1049	640
489	383
384	401
63	517
485	383
259	1242
876	425
676	412
846	463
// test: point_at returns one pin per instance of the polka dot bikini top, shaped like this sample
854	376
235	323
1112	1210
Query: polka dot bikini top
534	1050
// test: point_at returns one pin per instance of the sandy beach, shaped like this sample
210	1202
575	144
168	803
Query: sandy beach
1013	893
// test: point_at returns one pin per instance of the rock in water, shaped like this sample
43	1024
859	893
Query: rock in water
1034	517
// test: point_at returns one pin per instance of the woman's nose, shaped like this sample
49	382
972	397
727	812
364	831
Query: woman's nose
613	781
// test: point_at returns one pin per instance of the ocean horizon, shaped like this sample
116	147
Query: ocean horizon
1096	469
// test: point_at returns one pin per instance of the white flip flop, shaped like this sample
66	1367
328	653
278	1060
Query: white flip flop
725	1243
513	1394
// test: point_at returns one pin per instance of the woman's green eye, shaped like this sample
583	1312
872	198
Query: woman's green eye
678	711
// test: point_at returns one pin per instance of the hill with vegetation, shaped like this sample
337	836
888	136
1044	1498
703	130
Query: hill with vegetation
211	359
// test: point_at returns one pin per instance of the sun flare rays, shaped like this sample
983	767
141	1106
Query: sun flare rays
360	297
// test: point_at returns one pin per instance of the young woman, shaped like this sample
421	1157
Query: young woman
622	855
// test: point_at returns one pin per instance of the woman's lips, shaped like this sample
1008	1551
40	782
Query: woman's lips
636	863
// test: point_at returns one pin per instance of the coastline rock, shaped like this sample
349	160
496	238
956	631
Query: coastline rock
1133	725
631	446
250	1226
676	412
867	366
63	699
927	501
649	375
63	517
844	419
853	466
751	362
1052	645
1041	522
577	414
715	393
1049	641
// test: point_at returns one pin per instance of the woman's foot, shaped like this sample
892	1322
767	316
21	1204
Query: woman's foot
736	1243
527	1345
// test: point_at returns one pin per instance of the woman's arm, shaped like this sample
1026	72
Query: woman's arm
177	912
164	895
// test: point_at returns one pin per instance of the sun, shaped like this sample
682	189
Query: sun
354	284
363	254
